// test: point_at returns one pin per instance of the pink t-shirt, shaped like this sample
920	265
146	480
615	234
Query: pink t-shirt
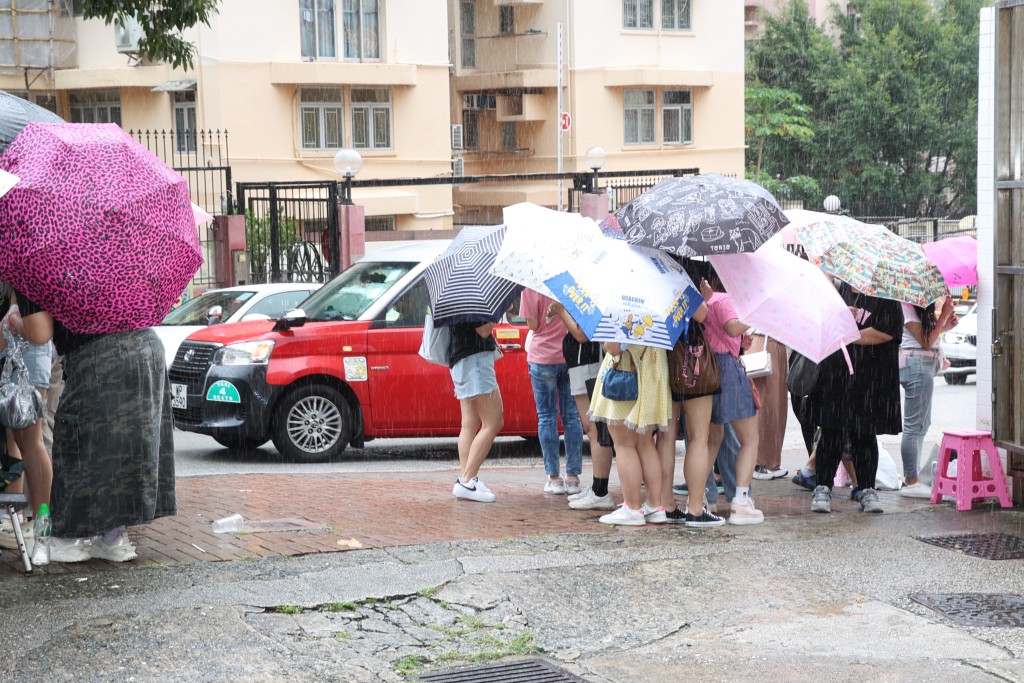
546	345
721	311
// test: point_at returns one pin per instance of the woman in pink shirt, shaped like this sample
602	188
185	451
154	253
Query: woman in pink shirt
735	401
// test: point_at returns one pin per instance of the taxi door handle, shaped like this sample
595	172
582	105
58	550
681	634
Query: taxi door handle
510	347
380	367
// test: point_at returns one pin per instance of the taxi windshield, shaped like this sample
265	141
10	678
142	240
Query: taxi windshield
195	312
349	295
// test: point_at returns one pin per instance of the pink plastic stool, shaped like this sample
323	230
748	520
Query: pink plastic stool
969	483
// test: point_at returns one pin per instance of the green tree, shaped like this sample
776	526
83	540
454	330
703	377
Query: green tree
774	112
162	23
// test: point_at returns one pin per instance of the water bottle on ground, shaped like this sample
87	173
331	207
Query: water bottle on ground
228	524
41	531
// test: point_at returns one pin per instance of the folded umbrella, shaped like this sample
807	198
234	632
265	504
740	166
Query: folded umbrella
98	231
702	215
617	292
16	113
956	258
459	282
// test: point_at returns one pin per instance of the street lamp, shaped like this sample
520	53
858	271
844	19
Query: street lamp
832	204
595	158
347	162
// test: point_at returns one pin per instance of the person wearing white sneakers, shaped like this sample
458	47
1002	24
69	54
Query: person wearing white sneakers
471	364
632	424
734	403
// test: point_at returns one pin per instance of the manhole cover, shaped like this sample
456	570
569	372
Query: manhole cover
524	671
976	609
985	546
260	526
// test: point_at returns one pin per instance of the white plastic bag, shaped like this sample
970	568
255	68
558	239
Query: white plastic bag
434	347
888	477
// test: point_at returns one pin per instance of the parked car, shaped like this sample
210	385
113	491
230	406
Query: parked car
960	346
229	305
342	370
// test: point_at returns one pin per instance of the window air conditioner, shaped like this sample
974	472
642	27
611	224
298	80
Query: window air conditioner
126	37
456	136
458	167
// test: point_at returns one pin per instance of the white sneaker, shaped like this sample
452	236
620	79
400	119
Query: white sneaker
69	549
582	494
745	514
118	550
766	474
917	490
572	484
556	486
653	515
588	500
474	491
624	516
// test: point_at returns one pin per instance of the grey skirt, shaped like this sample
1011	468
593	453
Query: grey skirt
113	438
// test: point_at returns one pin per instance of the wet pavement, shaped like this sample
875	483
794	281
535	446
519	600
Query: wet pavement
378	576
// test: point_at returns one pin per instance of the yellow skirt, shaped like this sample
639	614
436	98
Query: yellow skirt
653	407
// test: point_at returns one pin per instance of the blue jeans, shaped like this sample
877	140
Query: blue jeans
726	459
552	395
918	381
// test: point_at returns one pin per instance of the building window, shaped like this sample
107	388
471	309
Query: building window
639	117
95	106
184	103
638	13
675	14
677	116
467	21
320	115
470	129
379	224
508	136
361	29
371	118
507	20
316	27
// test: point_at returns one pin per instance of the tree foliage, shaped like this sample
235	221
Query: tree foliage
892	92
162	23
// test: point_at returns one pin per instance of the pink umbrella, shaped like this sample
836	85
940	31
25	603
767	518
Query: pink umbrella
957	259
98	231
789	299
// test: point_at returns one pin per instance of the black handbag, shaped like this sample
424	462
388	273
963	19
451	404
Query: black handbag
802	376
620	385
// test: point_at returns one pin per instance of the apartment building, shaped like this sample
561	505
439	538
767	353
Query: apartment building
755	11
421	88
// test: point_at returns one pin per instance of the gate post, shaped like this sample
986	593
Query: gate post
352	227
594	204
229	237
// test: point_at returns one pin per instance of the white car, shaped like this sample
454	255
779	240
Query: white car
960	346
230	305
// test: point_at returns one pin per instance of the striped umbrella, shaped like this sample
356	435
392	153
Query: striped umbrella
459	281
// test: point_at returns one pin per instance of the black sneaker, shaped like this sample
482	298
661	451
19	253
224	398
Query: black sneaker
704	519
677	516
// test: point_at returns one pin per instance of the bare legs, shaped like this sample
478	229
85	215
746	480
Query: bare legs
697	462
600	456
482	420
666	441
38	469
637	460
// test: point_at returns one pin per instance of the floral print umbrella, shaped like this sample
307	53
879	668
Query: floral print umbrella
98	231
872	259
702	215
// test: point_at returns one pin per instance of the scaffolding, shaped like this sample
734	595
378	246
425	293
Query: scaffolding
36	36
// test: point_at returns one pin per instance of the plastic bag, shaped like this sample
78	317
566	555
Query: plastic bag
434	347
20	404
888	477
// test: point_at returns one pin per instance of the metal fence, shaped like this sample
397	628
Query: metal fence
201	157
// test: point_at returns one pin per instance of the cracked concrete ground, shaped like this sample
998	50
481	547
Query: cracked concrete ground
795	599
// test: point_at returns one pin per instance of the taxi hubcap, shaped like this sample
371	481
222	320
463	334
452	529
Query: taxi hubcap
314	424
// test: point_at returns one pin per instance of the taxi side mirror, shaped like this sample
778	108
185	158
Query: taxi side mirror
293	318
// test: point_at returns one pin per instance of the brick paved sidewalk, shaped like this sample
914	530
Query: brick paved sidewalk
297	514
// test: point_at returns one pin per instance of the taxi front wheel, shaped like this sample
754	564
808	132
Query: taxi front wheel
312	424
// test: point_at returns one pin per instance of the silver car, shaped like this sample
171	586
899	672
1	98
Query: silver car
960	346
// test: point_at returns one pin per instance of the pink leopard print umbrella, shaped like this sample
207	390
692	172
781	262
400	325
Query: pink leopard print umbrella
99	231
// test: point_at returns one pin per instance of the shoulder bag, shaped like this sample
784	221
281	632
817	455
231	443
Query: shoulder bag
618	384
757	363
434	347
692	365
802	377
20	404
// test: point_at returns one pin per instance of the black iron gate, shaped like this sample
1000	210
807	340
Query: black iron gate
291	230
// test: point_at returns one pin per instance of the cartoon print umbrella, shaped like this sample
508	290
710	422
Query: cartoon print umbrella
957	259
98	231
16	113
873	259
702	215
789	299
459	282
622	293
537	243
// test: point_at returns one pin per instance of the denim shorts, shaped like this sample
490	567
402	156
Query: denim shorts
735	400
578	377
474	375
38	361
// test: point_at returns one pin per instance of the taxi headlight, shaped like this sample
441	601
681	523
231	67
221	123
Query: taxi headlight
244	353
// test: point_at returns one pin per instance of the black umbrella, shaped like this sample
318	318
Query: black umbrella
16	113
702	215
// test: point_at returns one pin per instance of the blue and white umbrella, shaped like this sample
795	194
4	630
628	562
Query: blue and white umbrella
627	294
459	282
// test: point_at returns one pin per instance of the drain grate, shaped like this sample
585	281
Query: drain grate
523	671
985	546
976	609
260	526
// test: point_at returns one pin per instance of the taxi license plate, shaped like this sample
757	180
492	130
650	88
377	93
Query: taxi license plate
179	396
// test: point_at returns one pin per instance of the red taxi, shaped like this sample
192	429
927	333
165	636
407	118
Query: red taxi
342	369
